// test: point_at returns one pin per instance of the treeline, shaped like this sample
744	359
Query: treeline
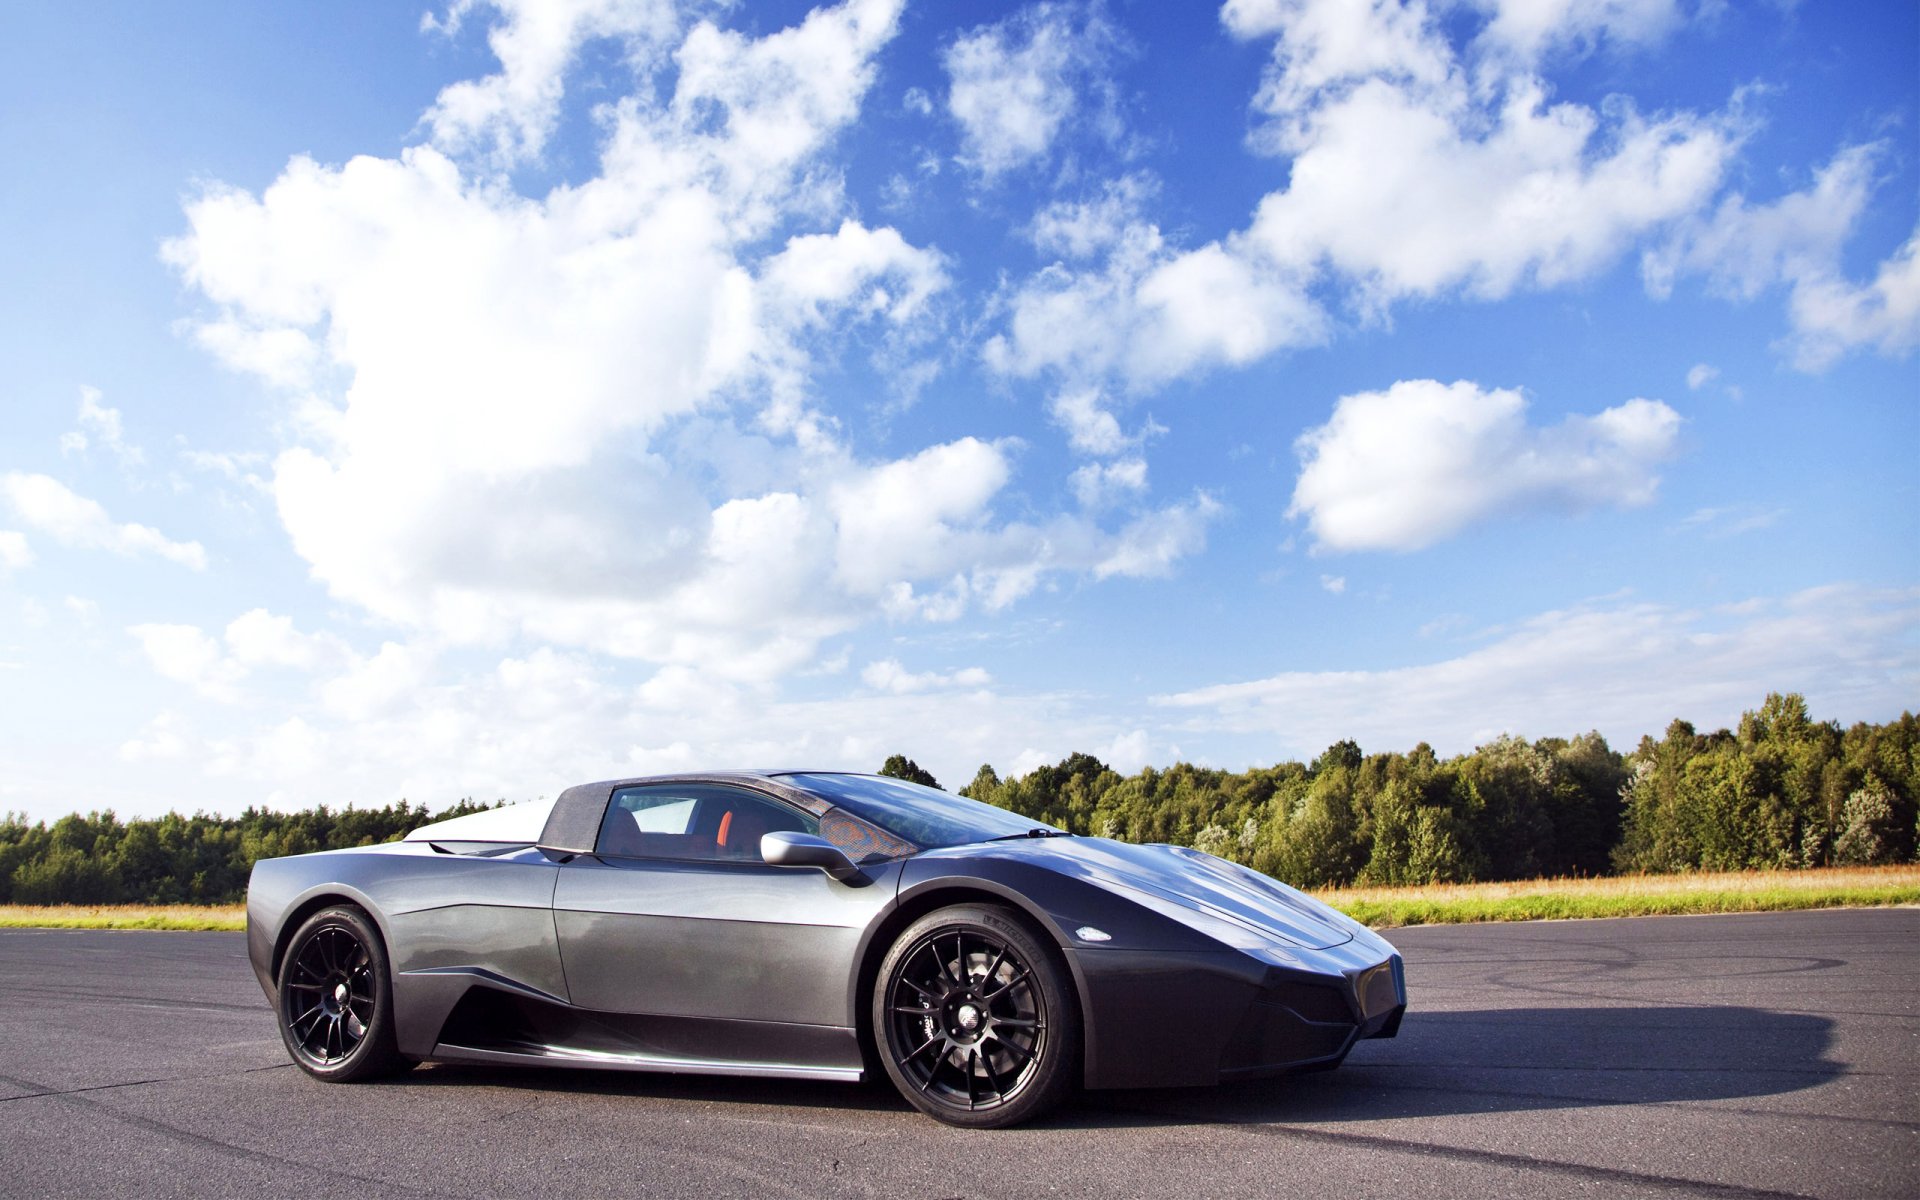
100	859
1782	790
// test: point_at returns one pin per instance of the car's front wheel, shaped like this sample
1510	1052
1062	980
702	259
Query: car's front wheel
974	1018
336	998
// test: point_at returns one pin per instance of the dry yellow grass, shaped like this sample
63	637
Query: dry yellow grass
1630	896
1817	879
1524	900
123	916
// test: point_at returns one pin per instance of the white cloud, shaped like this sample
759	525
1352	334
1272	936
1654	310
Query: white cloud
1731	521
186	654
1148	314
1414	172
15	552
374	686
105	426
1796	241
1404	468
216	667
1098	485
1015	85
1082	229
509	452
49	506
1623	668
163	739
1700	375
1336	584
1127	753
512	113
1526	31
1403	194
887	675
1150	544
1091	429
1832	316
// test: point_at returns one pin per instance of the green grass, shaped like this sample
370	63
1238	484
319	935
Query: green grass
1381	907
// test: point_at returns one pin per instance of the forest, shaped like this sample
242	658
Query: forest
1779	791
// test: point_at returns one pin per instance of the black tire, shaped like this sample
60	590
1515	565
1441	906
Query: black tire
974	1018
336	998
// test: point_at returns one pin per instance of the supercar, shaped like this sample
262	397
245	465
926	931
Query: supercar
809	925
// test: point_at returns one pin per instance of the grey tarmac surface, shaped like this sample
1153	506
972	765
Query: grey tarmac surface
1741	1056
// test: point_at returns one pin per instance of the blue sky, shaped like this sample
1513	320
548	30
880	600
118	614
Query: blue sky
469	402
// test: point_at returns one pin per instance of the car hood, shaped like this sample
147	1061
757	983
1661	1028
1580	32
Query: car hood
1191	879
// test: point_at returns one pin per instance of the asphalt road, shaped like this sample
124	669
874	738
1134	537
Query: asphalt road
1719	1056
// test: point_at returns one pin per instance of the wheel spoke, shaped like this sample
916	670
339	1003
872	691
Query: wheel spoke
1016	1047
946	972
971	1098
925	1046
913	1010
986	1061
931	996
1019	1023
1018	976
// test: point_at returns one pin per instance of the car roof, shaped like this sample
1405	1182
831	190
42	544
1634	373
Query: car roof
575	821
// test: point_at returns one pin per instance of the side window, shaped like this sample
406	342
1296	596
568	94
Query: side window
694	822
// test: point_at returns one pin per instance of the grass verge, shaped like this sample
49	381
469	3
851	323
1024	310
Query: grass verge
1629	896
123	916
1381	907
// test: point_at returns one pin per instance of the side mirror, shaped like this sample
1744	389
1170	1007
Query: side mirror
805	850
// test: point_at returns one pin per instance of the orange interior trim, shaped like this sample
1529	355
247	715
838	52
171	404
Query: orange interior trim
726	823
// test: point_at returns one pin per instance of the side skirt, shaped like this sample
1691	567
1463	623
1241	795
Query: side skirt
561	1056
494	1025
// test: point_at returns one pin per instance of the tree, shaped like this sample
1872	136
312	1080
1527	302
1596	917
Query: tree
1870	830
901	767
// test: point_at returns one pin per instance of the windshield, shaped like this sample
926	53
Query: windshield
927	817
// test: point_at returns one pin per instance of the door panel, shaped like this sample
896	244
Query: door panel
677	916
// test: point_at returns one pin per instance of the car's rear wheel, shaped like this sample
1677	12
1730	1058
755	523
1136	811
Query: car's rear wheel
336	998
974	1018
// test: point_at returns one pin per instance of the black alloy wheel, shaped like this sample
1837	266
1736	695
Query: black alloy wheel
975	1020
336	1000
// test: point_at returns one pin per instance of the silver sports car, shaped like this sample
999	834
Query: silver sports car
809	925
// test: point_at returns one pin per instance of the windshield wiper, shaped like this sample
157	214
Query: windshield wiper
1031	833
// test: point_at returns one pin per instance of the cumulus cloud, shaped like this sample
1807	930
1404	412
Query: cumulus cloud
1016	84
216	667
1406	467
1742	249
511	113
1415	170
1625	668
49	506
588	417
1098	485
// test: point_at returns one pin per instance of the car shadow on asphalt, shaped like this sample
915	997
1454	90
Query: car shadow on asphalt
1442	1063
1515	1059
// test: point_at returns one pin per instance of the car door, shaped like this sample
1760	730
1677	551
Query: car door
676	916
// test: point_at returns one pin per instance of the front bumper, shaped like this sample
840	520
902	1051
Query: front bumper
1170	1019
